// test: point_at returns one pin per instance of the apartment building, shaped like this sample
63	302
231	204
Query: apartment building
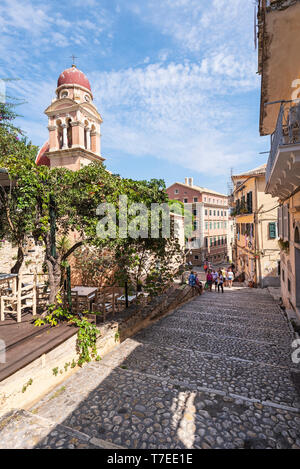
256	252
279	67
209	238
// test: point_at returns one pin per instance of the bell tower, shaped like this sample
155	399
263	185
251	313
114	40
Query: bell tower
73	123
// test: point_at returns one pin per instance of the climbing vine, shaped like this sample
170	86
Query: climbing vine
87	332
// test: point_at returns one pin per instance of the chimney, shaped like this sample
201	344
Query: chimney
191	182
186	181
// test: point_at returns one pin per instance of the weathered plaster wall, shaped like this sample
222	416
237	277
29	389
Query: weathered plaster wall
281	67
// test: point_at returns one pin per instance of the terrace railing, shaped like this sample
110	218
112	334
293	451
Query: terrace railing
287	132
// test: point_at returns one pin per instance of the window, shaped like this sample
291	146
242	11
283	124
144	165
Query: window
283	278
214	213
225	213
249	202
204	199
206	225
205	211
195	212
218	226
196	258
185	201
64	94
225	224
210	225
215	225
272	230
221	213
176	191
289	285
195	199
218	213
195	225
210	212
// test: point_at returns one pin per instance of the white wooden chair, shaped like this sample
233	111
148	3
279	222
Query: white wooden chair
17	302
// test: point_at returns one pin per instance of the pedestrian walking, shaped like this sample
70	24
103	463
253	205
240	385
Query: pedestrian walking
209	280
224	273
230	276
215	276
220	282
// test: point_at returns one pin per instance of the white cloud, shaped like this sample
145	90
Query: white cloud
175	112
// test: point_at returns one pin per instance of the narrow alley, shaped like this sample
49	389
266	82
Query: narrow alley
215	373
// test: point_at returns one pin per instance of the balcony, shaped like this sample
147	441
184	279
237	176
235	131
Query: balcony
283	168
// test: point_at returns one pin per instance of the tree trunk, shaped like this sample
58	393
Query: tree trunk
20	258
54	275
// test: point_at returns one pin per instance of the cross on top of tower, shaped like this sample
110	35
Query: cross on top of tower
73	57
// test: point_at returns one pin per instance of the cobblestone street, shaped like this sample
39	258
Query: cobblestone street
216	373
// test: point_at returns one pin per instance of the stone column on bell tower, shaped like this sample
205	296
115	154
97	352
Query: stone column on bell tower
65	137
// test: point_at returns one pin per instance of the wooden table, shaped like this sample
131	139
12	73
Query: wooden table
88	294
6	279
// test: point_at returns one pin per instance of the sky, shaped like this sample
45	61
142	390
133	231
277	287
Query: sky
174	80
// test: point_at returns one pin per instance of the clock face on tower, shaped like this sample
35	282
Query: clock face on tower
87	98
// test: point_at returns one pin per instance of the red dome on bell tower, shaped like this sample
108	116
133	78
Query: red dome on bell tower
73	76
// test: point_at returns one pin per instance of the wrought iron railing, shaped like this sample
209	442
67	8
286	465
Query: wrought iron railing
287	132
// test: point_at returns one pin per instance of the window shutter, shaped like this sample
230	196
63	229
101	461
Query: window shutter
249	202
286	228
272	230
280	224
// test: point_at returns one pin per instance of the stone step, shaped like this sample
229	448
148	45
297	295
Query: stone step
257	351
22	429
271	315
198	370
238	330
136	411
251	321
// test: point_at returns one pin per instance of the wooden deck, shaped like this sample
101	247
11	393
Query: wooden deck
26	342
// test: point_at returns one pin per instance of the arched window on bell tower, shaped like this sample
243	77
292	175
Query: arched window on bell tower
69	132
87	136
59	134
93	139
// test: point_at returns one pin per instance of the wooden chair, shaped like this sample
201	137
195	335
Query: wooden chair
106	301
75	304
16	303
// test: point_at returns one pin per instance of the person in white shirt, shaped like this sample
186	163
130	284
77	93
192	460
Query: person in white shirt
215	276
230	277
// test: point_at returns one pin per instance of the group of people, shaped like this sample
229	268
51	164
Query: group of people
194	281
219	278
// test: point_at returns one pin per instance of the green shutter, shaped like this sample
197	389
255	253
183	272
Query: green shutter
272	230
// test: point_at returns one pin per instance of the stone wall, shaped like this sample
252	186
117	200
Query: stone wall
34	257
